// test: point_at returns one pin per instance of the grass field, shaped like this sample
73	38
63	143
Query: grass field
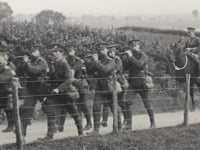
173	138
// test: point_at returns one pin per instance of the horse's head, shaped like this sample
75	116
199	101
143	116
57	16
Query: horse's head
176	48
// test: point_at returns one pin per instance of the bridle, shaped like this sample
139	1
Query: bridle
181	68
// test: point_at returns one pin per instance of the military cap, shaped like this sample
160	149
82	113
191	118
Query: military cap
58	47
101	44
34	48
112	46
191	29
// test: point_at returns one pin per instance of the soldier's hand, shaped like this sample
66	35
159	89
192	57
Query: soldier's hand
95	57
55	91
189	49
26	58
129	53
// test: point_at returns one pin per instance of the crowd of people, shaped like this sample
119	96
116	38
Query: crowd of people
61	66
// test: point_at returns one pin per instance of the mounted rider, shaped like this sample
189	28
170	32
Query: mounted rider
192	47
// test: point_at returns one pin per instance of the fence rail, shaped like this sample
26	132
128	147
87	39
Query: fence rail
17	102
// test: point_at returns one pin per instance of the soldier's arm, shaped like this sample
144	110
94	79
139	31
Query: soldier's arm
105	68
35	69
78	65
119	64
138	62
67	77
7	75
196	47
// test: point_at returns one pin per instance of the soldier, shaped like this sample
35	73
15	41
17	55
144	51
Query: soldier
6	75
192	47
61	86
77	64
123	82
136	65
36	69
105	68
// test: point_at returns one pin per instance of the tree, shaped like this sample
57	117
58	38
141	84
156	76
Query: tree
5	10
49	17
195	13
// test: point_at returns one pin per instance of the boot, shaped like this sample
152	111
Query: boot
48	137
104	124
10	127
88	126
95	132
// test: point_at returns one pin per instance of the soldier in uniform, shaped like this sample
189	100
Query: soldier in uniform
123	82
83	103
105	68
136	65
36	69
6	75
192	47
61	86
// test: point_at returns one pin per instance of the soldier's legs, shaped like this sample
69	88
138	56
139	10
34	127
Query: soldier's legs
73	110
10	126
62	118
118	116
8	112
84	99
144	95
51	108
128	108
105	113
98	101
196	59
122	104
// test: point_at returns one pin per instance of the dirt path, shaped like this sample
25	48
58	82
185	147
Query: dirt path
38	128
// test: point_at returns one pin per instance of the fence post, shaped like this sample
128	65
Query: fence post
187	96
115	105
16	116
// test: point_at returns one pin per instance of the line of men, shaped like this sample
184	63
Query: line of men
65	85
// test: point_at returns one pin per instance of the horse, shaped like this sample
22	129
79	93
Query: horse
184	64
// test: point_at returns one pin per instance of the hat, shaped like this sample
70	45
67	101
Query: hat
191	29
101	44
58	47
70	46
34	48
112	46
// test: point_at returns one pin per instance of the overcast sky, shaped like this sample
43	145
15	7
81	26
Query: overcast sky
106	7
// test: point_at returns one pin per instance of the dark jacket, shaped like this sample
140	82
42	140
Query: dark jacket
36	71
105	69
137	68
6	75
61	76
193	43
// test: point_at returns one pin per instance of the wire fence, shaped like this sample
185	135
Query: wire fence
159	100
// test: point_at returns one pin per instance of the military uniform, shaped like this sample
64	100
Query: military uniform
136	66
105	69
55	106
193	43
6	75
121	96
6	68
81	83
36	70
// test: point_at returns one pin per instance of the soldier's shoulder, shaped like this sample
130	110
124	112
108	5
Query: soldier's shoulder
9	70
